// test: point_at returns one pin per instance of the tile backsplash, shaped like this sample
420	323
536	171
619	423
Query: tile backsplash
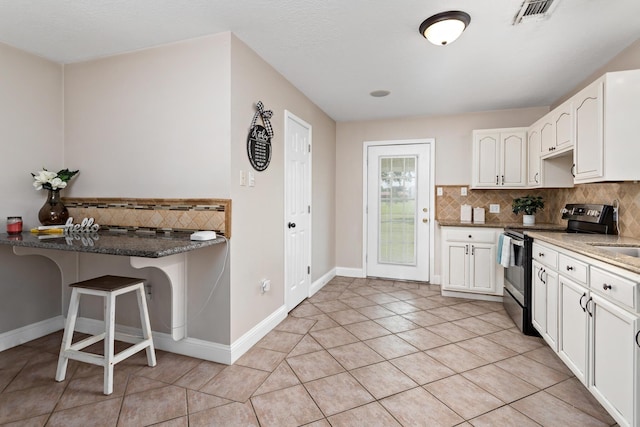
627	194
155	214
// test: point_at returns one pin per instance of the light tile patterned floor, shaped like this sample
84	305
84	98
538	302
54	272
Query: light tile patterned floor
358	353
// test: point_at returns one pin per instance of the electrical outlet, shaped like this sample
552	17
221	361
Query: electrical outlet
265	285
147	289
494	208
439	191
463	191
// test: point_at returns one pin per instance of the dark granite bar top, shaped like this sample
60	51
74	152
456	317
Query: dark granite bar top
112	243
511	225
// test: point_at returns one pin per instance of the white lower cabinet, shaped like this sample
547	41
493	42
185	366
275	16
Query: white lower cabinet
574	327
598	314
615	362
469	260
545	307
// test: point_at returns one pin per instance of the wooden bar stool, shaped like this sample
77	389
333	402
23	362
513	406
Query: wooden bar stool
108	287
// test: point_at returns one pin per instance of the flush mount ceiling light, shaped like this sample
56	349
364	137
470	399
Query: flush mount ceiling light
444	28
380	93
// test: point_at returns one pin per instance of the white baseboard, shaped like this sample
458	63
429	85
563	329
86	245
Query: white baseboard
435	280
471	295
194	347
319	284
350	272
246	341
30	332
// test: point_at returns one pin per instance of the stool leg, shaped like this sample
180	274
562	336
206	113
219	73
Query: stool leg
146	326
109	320
67	337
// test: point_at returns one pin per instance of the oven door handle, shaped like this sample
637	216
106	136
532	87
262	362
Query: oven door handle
515	242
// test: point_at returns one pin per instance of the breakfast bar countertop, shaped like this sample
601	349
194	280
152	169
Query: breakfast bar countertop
145	245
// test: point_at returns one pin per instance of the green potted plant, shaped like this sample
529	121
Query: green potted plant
528	205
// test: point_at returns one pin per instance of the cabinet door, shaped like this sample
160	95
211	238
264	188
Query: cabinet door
589	141
563	126
456	265
533	175
482	268
573	328
539	299
615	360
551	334
513	161
547	136
486	159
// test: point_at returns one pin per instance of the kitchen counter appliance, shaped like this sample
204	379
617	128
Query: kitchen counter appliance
517	299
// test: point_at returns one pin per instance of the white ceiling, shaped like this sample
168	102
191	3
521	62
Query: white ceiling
338	51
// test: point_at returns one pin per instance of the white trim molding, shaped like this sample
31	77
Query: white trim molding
350	272
323	280
30	332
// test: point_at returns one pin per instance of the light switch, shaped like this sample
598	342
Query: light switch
463	191
252	179
494	208
243	178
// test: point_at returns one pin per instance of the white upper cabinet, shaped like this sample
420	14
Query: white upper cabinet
533	141
550	168
499	158
606	129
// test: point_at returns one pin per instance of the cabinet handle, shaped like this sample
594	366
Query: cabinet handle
473	250
606	287
569	268
581	298
540	254
466	249
573	170
535	177
543	272
470	236
497	180
637	337
586	306
502	179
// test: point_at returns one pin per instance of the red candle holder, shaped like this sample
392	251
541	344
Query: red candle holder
14	225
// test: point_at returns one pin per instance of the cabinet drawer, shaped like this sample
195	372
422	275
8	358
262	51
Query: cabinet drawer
615	288
471	235
545	256
572	268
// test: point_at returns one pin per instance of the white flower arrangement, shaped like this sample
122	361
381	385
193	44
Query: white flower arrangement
51	180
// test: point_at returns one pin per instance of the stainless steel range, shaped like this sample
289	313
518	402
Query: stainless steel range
581	218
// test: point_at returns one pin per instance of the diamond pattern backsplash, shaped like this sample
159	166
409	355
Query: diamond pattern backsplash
626	193
155	214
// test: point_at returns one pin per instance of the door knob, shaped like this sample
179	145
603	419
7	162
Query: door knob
292	225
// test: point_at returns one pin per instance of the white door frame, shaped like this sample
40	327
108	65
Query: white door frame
431	144
290	116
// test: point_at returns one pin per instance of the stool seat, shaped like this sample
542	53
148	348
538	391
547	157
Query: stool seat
108	287
107	283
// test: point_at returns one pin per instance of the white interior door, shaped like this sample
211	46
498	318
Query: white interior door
398	231
297	186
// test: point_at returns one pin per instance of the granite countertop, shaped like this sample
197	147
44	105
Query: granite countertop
112	243
584	244
512	225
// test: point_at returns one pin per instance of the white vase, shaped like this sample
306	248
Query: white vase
528	219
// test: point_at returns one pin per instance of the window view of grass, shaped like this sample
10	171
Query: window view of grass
397	214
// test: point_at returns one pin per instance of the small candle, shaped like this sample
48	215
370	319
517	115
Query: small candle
14	225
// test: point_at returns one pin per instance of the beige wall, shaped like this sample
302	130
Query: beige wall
628	59
31	131
153	123
257	250
453	161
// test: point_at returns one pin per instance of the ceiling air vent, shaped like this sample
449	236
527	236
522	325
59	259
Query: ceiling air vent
535	10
